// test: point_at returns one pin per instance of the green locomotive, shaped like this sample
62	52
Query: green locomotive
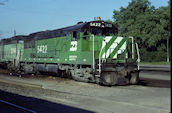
88	52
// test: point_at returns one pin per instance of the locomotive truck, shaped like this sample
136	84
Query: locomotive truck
87	52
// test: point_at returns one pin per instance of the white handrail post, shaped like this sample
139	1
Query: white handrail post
138	54
132	39
100	60
93	54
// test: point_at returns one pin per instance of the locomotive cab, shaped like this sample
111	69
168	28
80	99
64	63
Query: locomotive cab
113	59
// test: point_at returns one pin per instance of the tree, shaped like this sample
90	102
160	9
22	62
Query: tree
148	25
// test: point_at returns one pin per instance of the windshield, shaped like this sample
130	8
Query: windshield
101	31
96	31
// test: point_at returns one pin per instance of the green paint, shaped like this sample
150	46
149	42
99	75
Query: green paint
104	50
58	50
117	47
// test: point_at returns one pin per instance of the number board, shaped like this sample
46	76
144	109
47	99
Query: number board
42	49
100	24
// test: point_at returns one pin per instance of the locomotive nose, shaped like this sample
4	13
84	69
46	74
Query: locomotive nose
112	46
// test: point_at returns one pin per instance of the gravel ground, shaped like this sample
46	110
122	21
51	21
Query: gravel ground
51	94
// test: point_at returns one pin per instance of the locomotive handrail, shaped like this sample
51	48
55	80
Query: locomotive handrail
138	54
93	54
132	39
100	60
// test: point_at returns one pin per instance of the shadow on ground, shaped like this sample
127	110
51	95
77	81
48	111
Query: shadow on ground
38	105
155	83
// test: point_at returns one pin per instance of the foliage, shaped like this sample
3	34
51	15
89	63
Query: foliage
149	26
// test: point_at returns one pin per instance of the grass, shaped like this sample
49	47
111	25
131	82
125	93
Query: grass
157	63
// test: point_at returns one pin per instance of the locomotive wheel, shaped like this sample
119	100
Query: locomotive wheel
62	73
109	78
78	76
134	78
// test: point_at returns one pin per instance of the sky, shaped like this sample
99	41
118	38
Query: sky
29	16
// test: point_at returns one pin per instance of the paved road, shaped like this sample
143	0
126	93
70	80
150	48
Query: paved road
158	72
147	67
156	75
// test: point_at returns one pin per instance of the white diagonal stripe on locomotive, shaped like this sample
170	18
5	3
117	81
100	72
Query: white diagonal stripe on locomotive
112	47
105	41
121	50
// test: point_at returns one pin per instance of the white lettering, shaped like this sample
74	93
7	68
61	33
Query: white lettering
100	24
42	49
13	50
72	58
73	46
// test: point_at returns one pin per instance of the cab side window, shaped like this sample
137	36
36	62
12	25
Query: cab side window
76	34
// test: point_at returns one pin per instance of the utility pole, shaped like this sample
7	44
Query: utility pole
0	34
167	49
14	32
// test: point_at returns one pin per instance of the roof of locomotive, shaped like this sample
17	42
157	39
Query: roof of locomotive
13	39
57	32
43	34
63	31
